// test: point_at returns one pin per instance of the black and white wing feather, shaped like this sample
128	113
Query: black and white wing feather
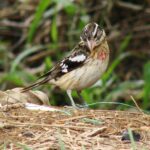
75	60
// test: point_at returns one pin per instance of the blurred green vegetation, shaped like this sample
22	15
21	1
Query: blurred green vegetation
35	35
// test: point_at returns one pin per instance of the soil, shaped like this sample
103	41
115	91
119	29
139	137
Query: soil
72	129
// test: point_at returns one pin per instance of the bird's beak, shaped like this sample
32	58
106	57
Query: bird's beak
91	44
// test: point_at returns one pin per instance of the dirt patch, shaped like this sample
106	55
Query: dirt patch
72	129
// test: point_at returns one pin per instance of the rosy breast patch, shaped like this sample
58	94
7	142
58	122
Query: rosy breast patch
102	55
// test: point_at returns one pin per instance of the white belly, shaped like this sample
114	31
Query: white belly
82	77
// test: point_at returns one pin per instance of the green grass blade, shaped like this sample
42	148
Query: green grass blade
54	32
23	146
115	63
125	43
120	57
37	18
124	87
93	121
60	141
147	85
22	55
133	144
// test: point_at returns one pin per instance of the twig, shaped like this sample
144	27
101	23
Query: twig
14	24
19	124
132	6
74	118
138	108
39	56
97	131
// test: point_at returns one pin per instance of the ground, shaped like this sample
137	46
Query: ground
72	129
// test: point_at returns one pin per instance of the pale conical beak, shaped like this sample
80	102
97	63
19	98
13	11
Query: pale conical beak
91	44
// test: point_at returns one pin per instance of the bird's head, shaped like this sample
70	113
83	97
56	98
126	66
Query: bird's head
92	35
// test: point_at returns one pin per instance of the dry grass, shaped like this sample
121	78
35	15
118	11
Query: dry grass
75	130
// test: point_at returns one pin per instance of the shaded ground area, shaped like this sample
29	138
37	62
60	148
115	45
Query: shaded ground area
72	129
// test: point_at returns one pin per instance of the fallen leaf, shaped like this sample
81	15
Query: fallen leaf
16	96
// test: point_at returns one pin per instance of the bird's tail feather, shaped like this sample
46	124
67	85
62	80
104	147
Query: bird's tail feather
35	85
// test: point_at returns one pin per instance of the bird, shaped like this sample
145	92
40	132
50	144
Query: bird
84	65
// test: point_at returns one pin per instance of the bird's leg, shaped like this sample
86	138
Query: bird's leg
83	101
71	99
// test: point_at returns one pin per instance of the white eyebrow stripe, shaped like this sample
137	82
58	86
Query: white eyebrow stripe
94	32
78	58
103	35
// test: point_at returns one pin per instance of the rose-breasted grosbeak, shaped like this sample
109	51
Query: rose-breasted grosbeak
83	67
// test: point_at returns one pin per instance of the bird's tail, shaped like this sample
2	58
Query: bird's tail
35	84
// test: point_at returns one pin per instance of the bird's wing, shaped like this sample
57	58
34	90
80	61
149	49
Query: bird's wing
75	60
